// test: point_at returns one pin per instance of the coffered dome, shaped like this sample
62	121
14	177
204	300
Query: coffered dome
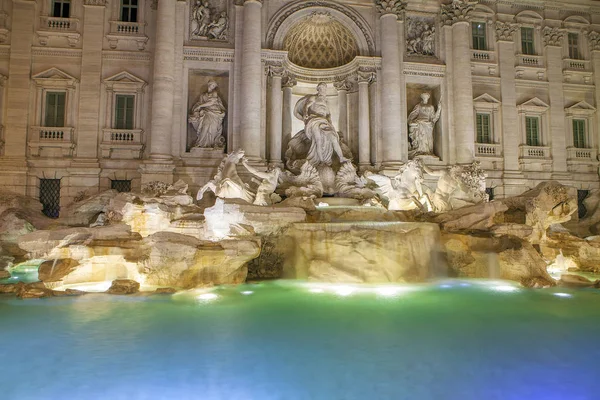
319	41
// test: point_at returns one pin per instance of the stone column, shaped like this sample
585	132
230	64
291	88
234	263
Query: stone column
251	80
163	81
13	167
457	15
364	120
594	42
288	83
342	88
510	129
275	116
393	126
553	41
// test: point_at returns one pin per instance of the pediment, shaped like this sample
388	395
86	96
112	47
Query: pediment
581	106
486	98
54	74
534	102
125	77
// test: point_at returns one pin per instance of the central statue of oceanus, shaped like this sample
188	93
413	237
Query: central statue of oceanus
318	143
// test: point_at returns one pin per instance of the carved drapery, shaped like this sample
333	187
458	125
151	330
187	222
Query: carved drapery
505	31
553	36
457	11
390	7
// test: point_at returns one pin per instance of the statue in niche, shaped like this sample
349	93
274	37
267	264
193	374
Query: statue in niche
420	37
265	194
458	186
318	143
218	28
227	184
200	18
207	117
405	190
421	122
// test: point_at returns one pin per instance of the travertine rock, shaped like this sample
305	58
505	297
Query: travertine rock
485	256
124	286
375	252
576	281
4	274
480	216
85	212
33	291
584	252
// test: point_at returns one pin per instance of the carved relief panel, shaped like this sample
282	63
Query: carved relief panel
209	20
420	36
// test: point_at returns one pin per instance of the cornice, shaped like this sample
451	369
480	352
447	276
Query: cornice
55	52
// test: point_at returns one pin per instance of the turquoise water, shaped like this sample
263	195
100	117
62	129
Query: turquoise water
295	341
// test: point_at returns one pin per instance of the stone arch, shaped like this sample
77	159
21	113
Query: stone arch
291	14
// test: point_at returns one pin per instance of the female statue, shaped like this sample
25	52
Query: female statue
421	121
207	118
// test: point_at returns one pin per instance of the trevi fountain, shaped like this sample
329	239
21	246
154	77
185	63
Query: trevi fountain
356	257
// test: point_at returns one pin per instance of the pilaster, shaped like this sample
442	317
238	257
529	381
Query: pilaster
342	87
288	82
594	43
364	128
275	115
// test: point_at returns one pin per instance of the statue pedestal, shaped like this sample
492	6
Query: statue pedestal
201	157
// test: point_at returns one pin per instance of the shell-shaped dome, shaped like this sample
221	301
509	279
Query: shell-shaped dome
319	41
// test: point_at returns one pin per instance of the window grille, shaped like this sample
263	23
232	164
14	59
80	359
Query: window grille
527	41
532	131
483	128
124	105
61	8
581	195
579	133
478	33
55	109
490	193
120	185
50	197
129	10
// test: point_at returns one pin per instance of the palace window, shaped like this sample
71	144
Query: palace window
129	10
579	134
54	115
50	197
527	41
479	37
124	111
121	185
532	131
61	8
573	42
484	130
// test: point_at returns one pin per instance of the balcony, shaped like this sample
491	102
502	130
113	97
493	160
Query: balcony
577	65
58	27
526	60
122	143
535	152
483	56
120	30
583	155
51	141
488	150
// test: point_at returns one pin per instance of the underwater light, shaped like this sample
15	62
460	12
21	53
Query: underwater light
247	292
505	288
207	296
387	291
344	290
316	290
562	294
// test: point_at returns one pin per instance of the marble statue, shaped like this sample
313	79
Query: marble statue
349	184
457	186
421	122
318	143
207	117
200	18
218	28
227	184
405	190
265	194
306	184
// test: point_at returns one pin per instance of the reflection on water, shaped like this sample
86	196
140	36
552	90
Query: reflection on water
282	340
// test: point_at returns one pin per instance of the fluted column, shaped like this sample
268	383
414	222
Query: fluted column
394	135
251	79
510	130
456	15
342	87
275	115
553	41
364	120
288	83
163	81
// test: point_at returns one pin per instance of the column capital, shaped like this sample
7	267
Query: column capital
343	84
553	36
390	7
594	40
275	70
288	80
457	11
366	76
505	31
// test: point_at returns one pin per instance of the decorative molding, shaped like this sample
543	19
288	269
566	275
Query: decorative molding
505	31
126	55
553	36
420	69
457	11
55	52
218	55
100	3
395	7
343	84
594	40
